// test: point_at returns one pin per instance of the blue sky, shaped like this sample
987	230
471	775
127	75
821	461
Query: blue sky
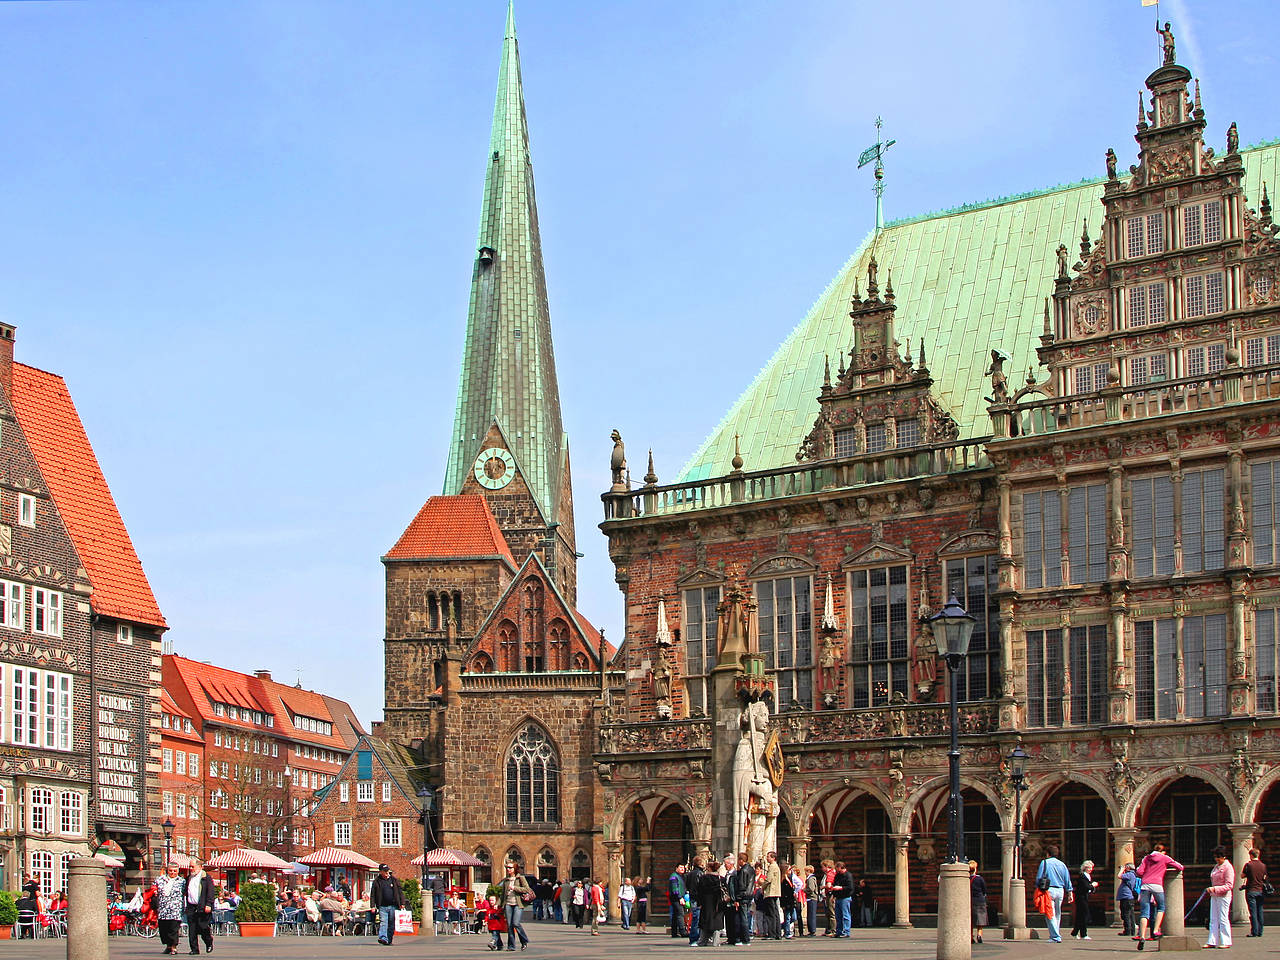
244	232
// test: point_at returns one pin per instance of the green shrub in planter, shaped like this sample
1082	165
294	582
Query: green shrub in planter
257	904
8	909
412	890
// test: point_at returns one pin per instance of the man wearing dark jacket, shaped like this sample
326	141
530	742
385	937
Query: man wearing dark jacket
843	890
675	896
200	897
742	888
386	898
691	878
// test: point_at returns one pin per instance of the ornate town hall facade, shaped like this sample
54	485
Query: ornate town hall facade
1082	447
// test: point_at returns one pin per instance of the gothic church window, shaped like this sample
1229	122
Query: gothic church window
484	872
433	612
481	663
878	613
508	646
785	615
533	778
973	581
700	644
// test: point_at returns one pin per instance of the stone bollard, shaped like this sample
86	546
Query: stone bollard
954	927
1174	927
87	910
428	926
1016	928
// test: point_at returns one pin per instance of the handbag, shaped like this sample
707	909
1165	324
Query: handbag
1042	883
1267	889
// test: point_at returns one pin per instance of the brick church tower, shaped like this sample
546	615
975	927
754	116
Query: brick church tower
483	640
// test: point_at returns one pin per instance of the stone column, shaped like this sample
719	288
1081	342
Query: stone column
1241	841
1122	848
86	925
954	928
646	860
901	880
800	852
614	848
428	926
1006	868
1175	932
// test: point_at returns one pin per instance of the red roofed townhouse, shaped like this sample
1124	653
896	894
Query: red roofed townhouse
79	644
181	781
268	748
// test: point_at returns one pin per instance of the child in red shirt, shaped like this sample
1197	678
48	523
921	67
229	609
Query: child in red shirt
495	921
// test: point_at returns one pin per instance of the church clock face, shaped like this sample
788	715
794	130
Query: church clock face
495	468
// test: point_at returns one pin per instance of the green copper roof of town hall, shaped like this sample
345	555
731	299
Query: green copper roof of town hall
967	281
508	365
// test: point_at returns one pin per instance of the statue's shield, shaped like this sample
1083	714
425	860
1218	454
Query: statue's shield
773	759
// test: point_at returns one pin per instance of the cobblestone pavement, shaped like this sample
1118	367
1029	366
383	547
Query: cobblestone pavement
553	940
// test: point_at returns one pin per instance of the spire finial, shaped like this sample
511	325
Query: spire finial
1142	112
650	478
888	287
1199	108
857	292
826	372
1048	324
1265	209
829	621
737	455
923	365
841	371
909	360
873	287
1084	240
664	630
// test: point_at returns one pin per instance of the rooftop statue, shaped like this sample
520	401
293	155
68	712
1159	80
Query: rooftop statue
618	460
1166	36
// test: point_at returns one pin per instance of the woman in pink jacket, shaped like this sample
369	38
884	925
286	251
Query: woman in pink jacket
1222	880
1152	870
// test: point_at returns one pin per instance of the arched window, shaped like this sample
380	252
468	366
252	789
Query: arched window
547	865
580	865
533	778
535	650
508	646
484	872
558	641
514	856
433	612
481	663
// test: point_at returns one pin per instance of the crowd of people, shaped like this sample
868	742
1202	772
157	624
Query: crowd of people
44	909
735	900
1140	895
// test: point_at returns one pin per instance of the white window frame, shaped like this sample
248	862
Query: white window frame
1090	375
1262	351
124	633
166	760
12	605
342	833
40	819
1204	359
46	612
1205	294
386	791
166	803
1141	303
180	763
344	793
193	764
389	833
1149	368
364	791
1196	228
26	510
1144	234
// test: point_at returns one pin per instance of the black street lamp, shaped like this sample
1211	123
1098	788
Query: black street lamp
1018	778
952	627
427	796
168	839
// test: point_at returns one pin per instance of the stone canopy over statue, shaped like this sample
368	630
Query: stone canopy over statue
757	774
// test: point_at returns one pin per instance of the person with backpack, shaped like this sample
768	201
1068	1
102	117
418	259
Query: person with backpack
1126	897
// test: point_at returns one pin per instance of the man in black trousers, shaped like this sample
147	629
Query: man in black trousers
200	897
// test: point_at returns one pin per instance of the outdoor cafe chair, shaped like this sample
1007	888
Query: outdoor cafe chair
28	920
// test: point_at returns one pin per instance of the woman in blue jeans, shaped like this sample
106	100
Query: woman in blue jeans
515	892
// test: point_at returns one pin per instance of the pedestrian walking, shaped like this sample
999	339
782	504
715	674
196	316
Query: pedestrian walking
676	898
1082	887
1127	898
692	877
514	892
386	897
578	905
1054	878
772	896
1255	884
200	897
170	903
977	902
1222	882
595	903
866	903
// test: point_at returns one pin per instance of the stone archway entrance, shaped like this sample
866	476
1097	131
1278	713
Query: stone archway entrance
1192	817
1077	820
853	826
657	834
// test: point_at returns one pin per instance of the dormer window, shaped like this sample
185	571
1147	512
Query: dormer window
876	439
1202	223
846	442
1147	304
1144	235
1204	294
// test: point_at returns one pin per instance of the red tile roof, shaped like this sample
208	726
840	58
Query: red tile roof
61	448
202	684
593	636
455	526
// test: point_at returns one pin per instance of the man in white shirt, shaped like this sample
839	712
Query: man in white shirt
200	897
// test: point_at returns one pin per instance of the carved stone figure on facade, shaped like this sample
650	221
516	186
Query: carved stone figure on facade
618	461
999	382
1111	164
1166	39
662	685
755	803
1062	263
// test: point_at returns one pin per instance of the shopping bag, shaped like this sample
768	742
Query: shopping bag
404	921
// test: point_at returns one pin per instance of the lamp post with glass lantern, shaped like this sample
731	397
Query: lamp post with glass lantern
168	840
952	627
1016	909
427	796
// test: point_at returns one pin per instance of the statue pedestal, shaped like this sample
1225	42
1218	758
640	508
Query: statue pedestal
1175	932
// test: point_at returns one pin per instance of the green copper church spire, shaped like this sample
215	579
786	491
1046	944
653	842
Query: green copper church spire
508	364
